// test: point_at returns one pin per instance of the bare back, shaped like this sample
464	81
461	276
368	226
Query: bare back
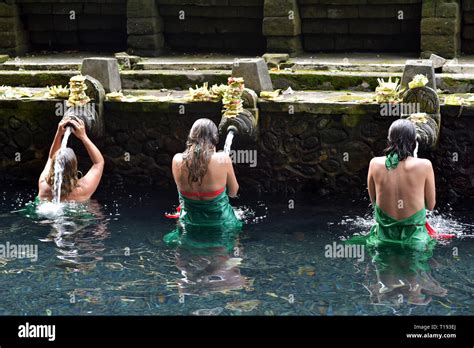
402	191
79	194
220	173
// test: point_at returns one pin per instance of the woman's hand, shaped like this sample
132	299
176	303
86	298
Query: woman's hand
62	126
79	128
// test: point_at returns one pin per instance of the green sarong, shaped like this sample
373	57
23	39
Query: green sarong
409	233
401	247
205	224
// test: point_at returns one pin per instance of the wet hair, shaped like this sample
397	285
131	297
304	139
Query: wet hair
401	139
200	146
70	179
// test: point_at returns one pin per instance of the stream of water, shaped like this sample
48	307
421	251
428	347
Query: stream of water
59	168
228	141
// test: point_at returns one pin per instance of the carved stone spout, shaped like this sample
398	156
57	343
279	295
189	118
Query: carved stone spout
90	109
428	118
245	124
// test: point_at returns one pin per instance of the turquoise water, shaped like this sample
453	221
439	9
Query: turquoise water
115	263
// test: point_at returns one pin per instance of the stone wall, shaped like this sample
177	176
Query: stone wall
80	25
467	44
360	25
319	153
213	25
13	37
441	28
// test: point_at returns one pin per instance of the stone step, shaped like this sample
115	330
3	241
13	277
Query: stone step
182	80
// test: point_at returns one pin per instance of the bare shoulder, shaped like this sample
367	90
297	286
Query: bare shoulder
178	158
221	157
377	161
423	164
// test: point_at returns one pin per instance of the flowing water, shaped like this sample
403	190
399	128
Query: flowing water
59	168
228	141
112	261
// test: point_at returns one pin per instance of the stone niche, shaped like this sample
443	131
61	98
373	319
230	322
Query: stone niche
97	25
361	25
213	25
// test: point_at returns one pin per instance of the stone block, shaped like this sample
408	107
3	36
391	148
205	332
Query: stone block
113	9
415	67
9	24
8	39
374	26
105	70
146	42
389	11
428	9
254	71
343	12
64	8
439	26
438	61
8	10
92	8
141	9
144	26
325	26
313	12
447	10
37	8
280	8
281	26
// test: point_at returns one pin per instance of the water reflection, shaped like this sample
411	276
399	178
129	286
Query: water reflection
79	234
397	276
208	269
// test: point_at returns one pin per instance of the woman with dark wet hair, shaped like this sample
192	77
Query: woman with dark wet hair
205	180
401	188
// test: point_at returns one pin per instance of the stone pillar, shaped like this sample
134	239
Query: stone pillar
144	28
441	28
13	38
282	26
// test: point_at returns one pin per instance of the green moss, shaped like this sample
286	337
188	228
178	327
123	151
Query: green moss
351	121
4	58
307	80
35	79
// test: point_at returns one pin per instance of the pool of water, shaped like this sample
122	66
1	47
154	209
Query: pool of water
115	263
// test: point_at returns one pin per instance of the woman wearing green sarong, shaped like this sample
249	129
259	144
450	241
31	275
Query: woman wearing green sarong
205	180
401	188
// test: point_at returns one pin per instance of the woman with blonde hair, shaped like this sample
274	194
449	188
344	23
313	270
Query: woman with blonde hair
73	188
